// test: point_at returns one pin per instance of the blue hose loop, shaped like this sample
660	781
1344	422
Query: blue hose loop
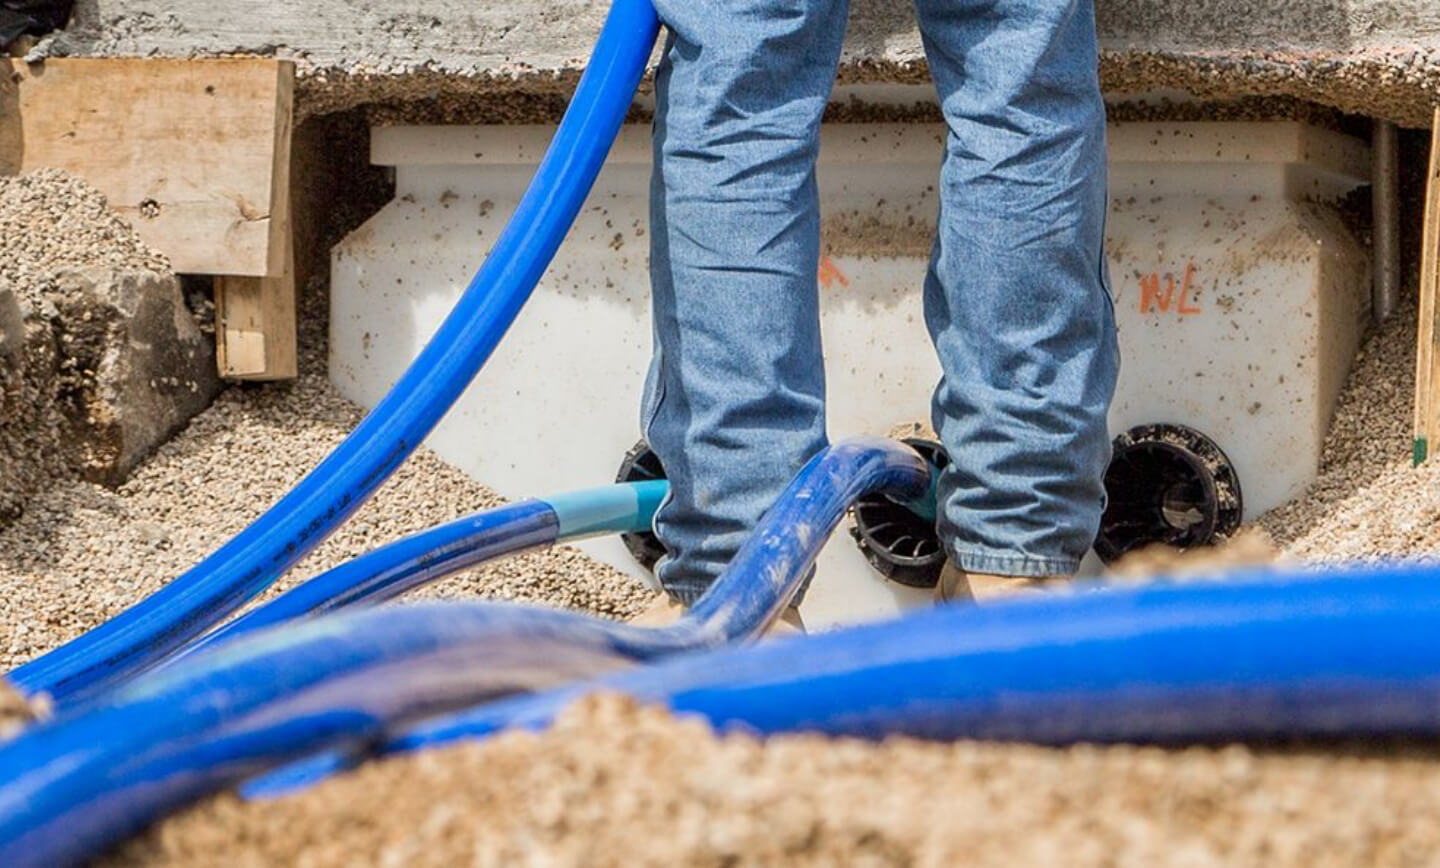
758	584
1265	656
419	559
149	631
756	587
338	683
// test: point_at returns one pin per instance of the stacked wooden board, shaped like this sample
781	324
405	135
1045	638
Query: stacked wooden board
195	154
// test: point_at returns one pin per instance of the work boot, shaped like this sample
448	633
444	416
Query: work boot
662	612
958	586
666	610
788	624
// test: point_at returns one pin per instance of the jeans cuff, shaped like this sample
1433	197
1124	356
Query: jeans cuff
687	591
1013	565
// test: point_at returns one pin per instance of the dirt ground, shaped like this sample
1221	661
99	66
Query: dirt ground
612	784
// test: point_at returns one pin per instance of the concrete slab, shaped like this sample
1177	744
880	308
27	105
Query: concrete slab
1374	56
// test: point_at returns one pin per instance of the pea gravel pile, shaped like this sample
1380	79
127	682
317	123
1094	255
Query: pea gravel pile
1368	503
81	553
51	221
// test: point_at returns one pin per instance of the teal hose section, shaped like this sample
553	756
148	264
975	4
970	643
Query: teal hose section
151	630
624	508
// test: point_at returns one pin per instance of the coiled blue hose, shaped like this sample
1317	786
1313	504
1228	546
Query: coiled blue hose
152	629
107	767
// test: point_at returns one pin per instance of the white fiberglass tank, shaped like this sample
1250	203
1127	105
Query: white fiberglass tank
1239	293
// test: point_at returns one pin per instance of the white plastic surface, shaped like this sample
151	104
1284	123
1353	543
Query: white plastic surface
1252	354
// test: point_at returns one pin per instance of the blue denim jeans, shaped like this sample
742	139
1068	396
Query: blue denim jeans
1016	297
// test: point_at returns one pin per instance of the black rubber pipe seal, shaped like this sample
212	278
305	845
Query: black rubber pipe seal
900	544
642	465
1167	484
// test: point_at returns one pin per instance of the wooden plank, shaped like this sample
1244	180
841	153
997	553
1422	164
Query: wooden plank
187	150
1427	403
255	327
255	316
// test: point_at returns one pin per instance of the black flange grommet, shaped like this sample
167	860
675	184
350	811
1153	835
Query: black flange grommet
901	545
642	465
1167	484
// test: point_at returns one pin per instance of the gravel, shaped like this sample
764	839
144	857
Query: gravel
81	553
612	784
1400	84
51	221
1369	503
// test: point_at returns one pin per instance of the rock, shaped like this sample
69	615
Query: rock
139	365
100	359
33	430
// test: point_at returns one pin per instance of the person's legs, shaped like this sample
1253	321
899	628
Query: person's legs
1016	298
734	401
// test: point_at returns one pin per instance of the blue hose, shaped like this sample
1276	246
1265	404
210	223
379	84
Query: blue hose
149	631
421	558
1264	656
105	768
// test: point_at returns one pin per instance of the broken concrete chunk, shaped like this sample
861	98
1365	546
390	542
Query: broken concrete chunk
136	365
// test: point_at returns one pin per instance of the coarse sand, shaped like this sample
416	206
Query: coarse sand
15	711
612	784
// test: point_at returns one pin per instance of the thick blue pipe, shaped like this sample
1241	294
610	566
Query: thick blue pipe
108	767
149	631
88	779
421	558
1265	656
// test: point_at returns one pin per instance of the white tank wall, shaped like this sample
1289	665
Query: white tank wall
1255	352
1276	291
